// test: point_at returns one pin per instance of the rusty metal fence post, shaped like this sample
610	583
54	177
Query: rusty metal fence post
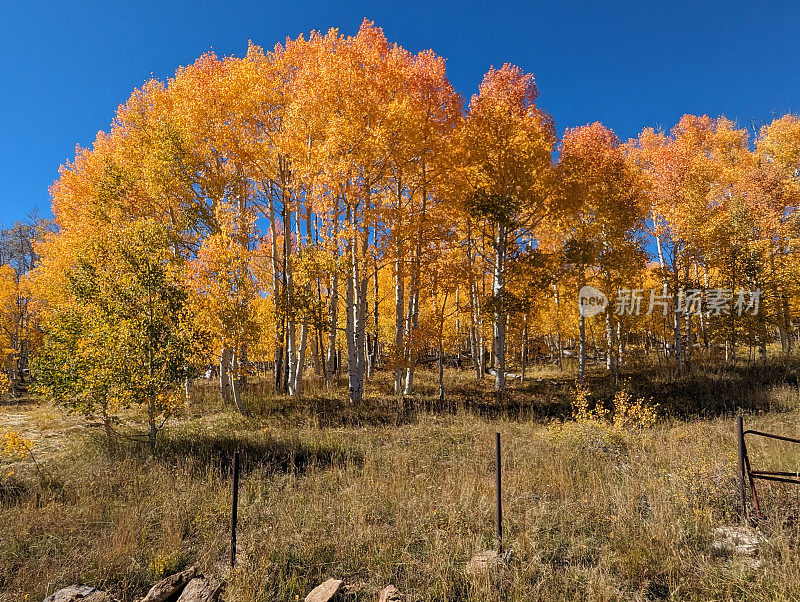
748	476
234	507
740	445
499	494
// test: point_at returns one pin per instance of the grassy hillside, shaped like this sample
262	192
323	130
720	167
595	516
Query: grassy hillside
404	494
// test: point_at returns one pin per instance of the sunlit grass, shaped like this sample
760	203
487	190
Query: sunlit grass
404	494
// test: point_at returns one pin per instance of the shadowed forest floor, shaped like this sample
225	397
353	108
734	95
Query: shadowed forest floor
403	493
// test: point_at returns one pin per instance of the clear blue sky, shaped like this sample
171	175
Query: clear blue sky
67	65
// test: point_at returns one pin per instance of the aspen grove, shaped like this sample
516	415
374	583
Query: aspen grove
333	206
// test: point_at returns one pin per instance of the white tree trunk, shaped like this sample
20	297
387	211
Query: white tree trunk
411	327
355	347
582	348
611	362
224	376
676	320
236	384
297	384
524	353
559	340
399	307
498	291
413	319
333	323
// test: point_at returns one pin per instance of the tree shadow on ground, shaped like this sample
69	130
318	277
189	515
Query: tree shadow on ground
331	412
708	392
203	451
705	391
22	401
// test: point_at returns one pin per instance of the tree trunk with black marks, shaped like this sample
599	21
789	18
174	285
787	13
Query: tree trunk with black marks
224	377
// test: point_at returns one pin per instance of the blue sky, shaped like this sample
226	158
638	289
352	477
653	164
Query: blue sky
67	65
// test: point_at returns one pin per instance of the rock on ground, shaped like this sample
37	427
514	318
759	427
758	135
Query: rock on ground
169	587
488	560
202	589
740	540
79	593
325	591
390	594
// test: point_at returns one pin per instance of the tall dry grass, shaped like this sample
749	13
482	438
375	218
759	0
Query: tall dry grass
404	494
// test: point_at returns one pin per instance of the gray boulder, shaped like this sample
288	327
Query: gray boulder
79	593
325	591
202	589
390	594
171	586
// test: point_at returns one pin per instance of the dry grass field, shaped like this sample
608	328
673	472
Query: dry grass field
404	494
